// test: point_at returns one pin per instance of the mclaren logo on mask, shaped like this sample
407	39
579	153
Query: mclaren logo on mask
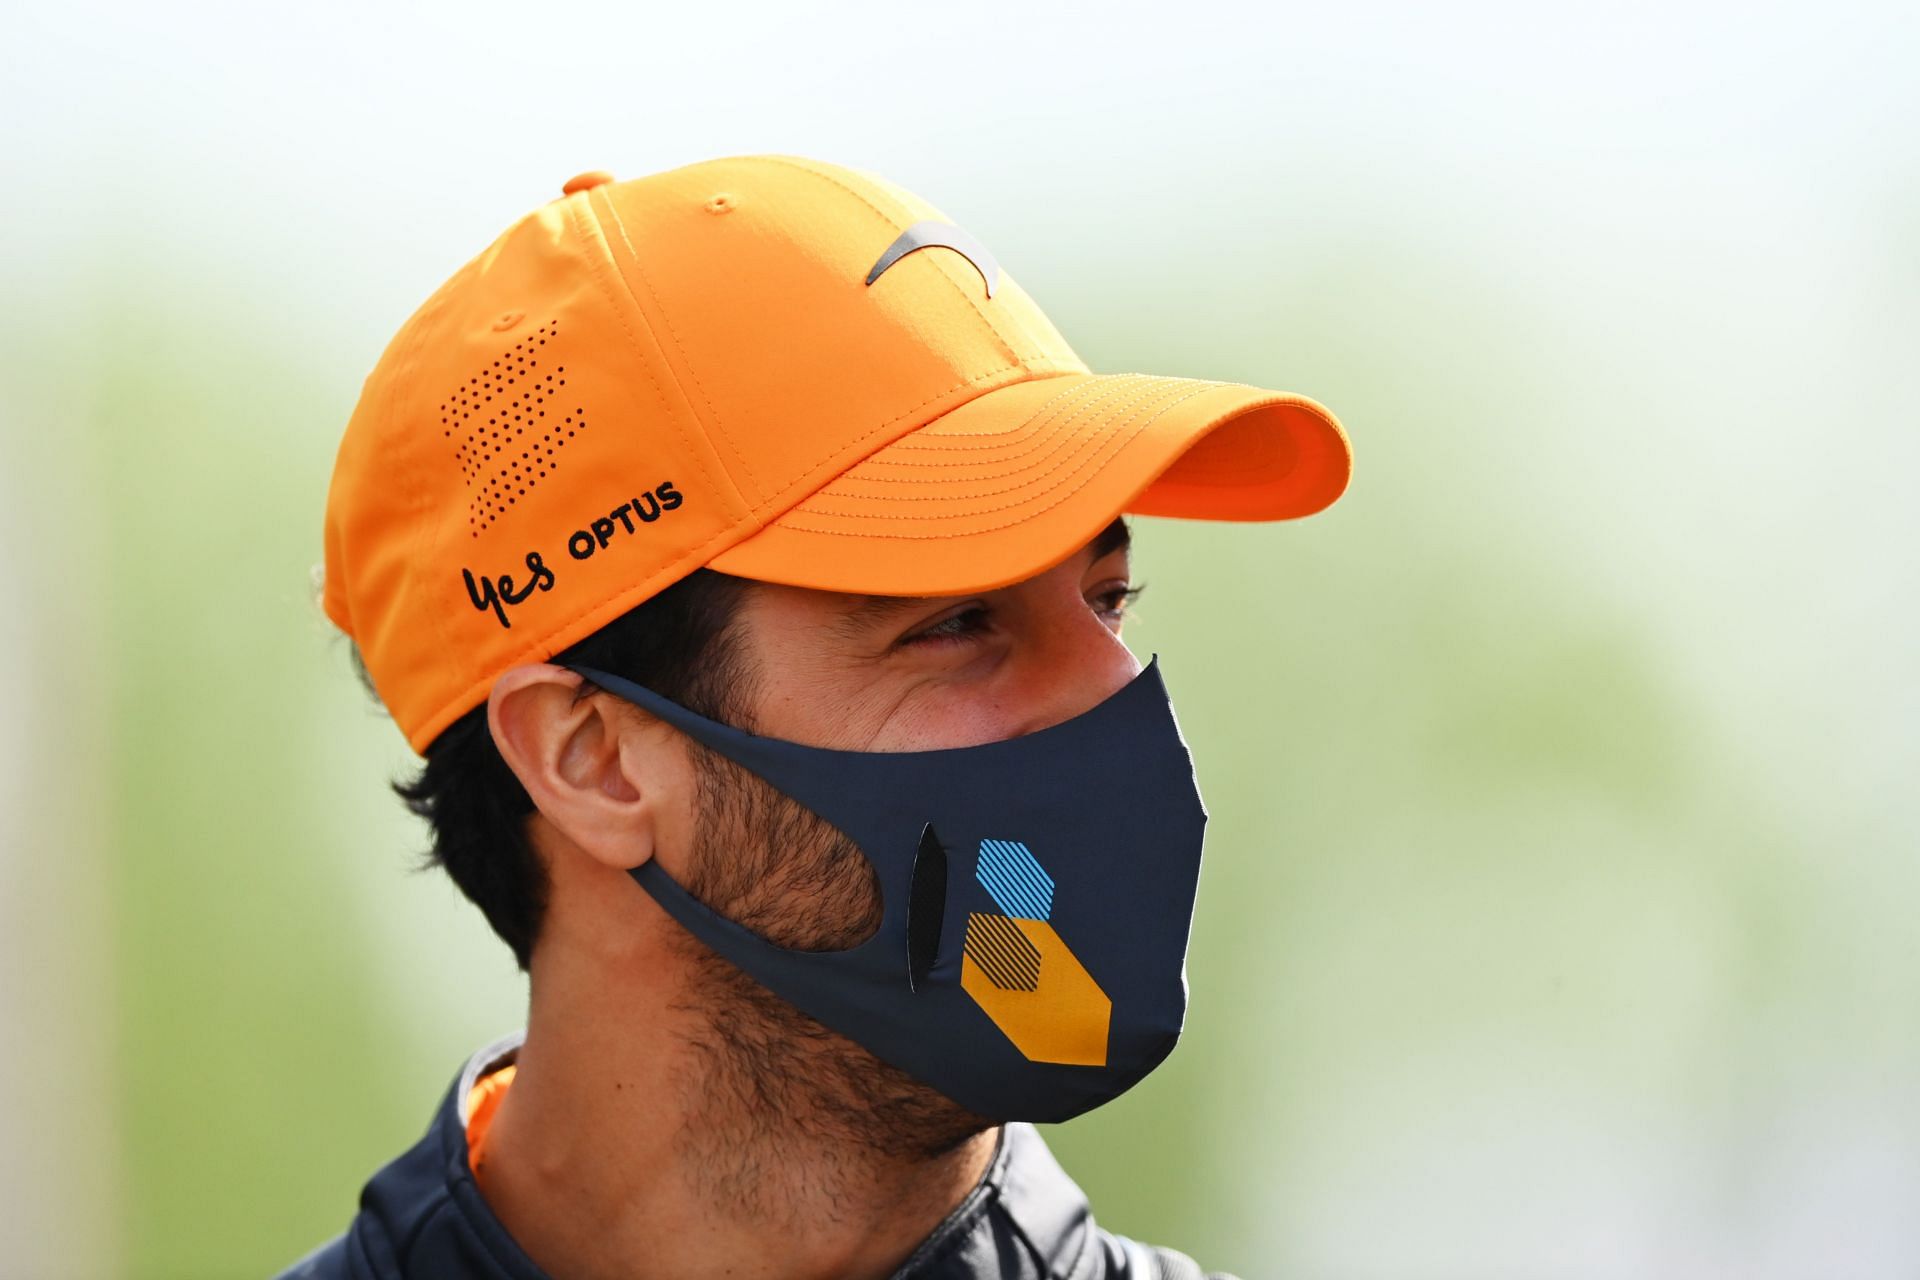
1021	973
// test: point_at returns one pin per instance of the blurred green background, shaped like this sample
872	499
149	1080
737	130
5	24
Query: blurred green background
1557	919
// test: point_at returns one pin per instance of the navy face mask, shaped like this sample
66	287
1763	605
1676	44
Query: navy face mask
1036	899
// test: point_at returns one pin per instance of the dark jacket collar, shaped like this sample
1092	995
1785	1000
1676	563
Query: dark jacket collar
423	1215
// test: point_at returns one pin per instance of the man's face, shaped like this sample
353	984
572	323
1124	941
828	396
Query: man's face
868	674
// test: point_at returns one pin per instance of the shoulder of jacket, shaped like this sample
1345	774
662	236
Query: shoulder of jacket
1132	1260
328	1262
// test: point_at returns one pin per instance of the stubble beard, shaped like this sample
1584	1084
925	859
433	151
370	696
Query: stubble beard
778	1089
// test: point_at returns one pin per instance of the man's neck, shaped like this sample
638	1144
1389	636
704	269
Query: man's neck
619	1154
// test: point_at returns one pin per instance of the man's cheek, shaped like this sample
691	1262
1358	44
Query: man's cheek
949	714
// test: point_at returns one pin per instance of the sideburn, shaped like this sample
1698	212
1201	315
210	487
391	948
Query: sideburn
767	862
776	1076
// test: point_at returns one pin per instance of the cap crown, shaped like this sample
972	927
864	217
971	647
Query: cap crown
629	381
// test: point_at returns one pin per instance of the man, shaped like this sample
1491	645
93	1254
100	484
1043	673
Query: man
742	548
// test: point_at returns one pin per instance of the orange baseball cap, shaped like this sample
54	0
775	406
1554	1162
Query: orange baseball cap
767	365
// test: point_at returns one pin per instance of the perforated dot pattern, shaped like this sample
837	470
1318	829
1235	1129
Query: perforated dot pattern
509	424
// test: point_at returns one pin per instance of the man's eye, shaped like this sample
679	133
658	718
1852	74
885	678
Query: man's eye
1114	601
960	627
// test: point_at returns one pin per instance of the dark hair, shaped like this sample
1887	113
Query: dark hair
678	643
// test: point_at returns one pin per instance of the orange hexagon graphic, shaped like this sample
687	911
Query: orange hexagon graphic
1035	990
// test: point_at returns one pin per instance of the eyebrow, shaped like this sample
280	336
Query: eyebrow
873	610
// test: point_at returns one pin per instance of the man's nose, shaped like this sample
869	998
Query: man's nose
1075	662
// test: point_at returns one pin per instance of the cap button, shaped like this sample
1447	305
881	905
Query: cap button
584	181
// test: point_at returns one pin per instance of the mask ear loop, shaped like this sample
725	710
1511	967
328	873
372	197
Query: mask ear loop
779	763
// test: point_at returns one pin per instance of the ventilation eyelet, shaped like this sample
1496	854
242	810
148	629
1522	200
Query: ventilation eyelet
504	477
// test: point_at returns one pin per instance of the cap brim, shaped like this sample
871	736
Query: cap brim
1018	478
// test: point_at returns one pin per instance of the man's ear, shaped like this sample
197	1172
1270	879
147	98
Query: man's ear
591	772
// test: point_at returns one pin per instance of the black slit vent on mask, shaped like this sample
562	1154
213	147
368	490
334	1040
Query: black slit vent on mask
926	907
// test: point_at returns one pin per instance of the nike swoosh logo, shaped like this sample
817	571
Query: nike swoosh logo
924	235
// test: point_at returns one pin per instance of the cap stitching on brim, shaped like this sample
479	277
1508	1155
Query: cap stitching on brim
1087	396
1073	447
933	440
932	429
1043	443
1068	421
1037	442
780	502
1063	494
